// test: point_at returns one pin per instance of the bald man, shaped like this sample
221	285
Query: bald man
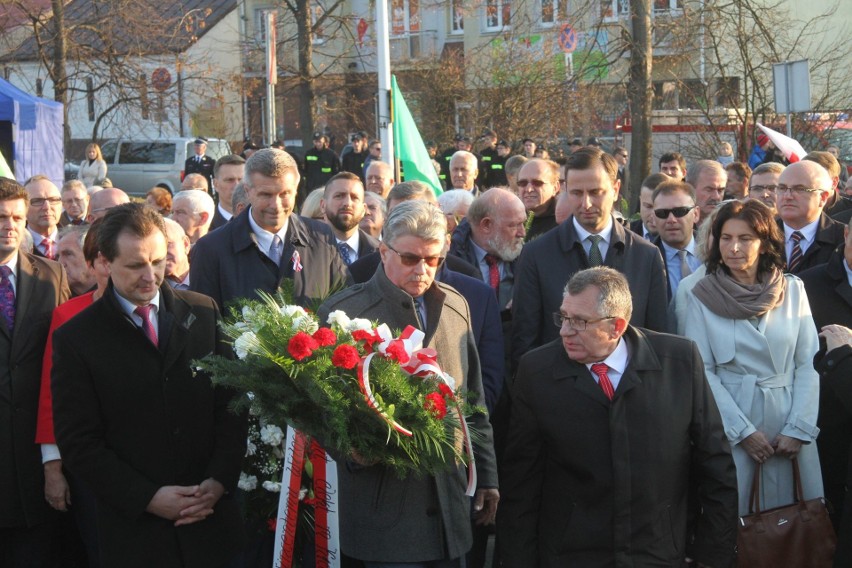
810	235
104	200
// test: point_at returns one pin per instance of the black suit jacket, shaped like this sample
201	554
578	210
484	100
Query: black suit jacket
131	417
830	298
366	244
591	482
205	168
41	286
829	236
218	220
227	263
547	263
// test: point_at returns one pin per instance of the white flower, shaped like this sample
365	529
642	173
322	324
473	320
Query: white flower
272	486
251	448
247	482
359	324
272	435
338	318
248	313
244	344
292	311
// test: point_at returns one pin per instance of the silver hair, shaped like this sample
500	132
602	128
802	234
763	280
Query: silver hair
270	162
78	232
463	155
383	205
418	219
614	298
199	200
488	204
74	184
450	200
407	190
173	228
239	196
697	168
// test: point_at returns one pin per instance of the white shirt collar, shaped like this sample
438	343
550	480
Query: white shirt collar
128	307
848	272
13	266
583	234
617	360
38	237
353	242
809	232
224	213
264	237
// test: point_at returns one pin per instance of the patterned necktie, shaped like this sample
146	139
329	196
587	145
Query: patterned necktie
48	249
600	370
7	297
275	249
595	258
493	270
685	270
796	253
344	253
147	327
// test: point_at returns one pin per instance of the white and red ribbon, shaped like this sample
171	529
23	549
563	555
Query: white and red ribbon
297	261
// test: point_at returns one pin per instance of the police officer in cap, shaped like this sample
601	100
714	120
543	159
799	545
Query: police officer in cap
199	163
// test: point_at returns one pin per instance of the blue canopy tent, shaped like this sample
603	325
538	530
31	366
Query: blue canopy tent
31	134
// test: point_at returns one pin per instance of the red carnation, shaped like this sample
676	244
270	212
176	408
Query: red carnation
301	345
325	337
446	390
396	351
436	404
345	357
368	337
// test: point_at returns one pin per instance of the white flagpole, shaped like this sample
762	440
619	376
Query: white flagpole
271	74
384	94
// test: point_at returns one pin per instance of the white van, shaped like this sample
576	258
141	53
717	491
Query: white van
138	165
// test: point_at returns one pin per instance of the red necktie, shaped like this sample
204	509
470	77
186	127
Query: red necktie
493	270
49	252
600	370
147	327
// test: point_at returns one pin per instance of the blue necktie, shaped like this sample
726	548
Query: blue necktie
344	253
7	297
421	310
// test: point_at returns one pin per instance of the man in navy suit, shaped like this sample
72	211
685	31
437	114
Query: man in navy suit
344	207
200	163
265	244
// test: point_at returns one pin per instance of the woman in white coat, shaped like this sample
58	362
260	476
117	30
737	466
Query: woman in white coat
753	326
93	170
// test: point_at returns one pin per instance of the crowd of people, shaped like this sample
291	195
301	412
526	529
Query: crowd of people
634	372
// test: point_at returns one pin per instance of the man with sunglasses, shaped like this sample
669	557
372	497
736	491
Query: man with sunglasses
420	520
590	236
677	216
613	428
538	184
810	236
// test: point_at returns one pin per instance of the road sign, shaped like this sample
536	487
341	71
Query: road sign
161	78
567	38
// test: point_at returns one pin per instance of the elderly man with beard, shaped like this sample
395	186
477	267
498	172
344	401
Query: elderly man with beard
343	205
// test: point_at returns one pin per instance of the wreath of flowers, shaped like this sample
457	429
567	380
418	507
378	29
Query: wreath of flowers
351	384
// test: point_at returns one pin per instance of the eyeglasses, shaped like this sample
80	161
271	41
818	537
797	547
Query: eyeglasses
536	183
39	201
762	188
409	259
576	324
796	190
676	211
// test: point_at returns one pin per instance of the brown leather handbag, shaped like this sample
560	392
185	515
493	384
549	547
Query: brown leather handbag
796	535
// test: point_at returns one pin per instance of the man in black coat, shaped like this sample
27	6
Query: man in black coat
265	244
810	236
320	163
590	237
200	163
611	429
158	446
30	291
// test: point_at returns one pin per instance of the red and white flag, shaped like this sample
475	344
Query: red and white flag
791	148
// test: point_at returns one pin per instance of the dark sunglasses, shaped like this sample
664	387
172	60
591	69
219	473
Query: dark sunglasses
536	183
409	259
677	211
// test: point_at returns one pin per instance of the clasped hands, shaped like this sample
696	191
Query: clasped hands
760	449
186	505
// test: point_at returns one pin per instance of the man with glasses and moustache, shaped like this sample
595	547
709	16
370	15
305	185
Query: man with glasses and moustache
431	525
677	216
589	237
810	236
538	184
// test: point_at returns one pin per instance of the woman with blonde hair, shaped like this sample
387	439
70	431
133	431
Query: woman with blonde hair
93	170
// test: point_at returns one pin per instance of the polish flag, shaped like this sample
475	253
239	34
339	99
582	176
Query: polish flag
791	148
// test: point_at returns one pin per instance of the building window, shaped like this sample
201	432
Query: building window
90	98
728	92
611	10
39	87
667	5
405	17
260	23
498	14
553	11
456	16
